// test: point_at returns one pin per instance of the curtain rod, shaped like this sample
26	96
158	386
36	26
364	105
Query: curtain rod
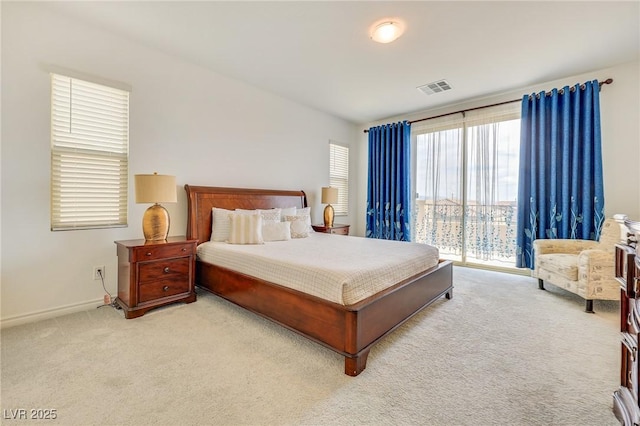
607	81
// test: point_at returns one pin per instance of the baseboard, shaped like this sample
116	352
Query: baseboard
49	313
515	271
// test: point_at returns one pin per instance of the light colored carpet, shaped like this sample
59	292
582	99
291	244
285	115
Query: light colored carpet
501	352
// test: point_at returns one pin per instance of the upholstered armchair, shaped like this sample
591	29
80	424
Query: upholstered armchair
583	267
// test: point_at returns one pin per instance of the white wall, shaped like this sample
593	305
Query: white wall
619	113
185	121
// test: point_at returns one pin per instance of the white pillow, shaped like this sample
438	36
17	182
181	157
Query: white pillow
289	211
306	211
246	229
299	227
220	224
269	214
276	231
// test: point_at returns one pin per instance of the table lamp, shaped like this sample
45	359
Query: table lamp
329	196
155	189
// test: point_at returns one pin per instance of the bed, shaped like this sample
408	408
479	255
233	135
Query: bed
350	330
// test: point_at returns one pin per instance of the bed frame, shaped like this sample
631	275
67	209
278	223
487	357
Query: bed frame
349	330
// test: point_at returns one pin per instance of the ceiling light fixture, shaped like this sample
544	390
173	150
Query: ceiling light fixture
386	31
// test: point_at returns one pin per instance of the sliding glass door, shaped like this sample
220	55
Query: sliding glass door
466	177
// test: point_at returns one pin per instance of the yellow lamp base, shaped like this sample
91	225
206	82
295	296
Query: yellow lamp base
155	223
328	216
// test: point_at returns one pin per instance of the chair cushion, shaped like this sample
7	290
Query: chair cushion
565	265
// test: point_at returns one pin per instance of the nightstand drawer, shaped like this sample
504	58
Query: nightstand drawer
340	231
163	288
164	269
152	252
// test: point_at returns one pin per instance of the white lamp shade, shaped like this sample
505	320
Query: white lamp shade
155	188
329	195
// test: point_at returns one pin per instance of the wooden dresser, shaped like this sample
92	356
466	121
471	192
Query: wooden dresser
626	403
155	273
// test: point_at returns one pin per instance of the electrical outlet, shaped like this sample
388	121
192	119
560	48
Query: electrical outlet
98	272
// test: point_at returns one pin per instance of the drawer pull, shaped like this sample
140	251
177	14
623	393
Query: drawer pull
148	253
165	288
166	269
184	249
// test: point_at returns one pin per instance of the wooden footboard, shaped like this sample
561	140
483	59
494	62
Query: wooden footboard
348	330
379	315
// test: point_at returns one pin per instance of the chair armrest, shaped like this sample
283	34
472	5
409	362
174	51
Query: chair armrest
595	262
562	246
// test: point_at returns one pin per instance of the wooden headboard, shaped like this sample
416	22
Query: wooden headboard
201	199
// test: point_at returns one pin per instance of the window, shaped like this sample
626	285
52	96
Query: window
339	176
467	184
89	154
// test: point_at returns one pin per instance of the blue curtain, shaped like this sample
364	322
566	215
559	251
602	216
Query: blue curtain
389	185
560	193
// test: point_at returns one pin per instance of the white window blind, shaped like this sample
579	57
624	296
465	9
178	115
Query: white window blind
89	154
339	176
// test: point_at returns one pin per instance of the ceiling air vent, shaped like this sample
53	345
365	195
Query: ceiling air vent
435	87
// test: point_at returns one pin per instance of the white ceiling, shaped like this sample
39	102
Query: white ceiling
320	54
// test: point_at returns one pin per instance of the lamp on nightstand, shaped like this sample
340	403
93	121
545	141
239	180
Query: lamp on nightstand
329	196
155	189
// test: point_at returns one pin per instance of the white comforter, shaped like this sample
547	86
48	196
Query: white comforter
337	268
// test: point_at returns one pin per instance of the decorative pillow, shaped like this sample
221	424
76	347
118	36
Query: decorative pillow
306	211
220	225
299	227
246	229
289	211
276	231
270	214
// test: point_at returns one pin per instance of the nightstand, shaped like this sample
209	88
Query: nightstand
155	273
337	228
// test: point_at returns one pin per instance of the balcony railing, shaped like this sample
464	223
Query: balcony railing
488	235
